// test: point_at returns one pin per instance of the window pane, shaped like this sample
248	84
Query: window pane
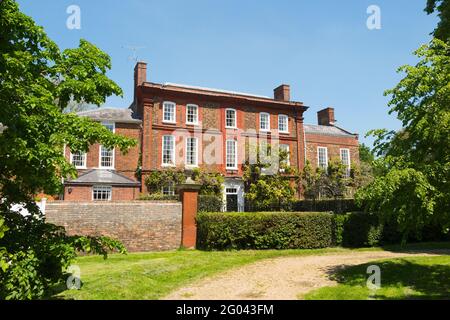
169	189
230	118
264	121
102	193
322	155
79	159
345	158
192	114
168	150
285	149
283	123
106	157
169	112
231	154
191	151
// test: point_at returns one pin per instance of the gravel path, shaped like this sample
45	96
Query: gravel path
280	278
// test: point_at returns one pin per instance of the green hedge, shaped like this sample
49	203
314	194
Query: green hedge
209	203
300	230
324	205
264	230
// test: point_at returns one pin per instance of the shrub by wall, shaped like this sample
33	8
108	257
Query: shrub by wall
324	205
209	203
264	230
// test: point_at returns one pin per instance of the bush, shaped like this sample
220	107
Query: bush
158	197
264	230
325	205
209	203
357	229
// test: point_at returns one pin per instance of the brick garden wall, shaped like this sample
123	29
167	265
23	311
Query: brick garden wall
140	225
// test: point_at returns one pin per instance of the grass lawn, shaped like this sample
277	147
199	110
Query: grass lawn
154	275
405	278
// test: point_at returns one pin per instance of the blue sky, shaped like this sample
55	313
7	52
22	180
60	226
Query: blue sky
322	48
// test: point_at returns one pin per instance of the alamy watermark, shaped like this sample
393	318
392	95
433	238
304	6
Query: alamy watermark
374	20
374	280
74	19
73	282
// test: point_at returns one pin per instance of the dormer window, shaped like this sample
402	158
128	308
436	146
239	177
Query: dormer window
169	112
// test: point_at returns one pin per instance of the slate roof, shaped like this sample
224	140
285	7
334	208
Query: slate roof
327	130
100	176
111	114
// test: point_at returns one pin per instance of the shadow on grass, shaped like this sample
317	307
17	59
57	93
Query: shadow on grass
413	278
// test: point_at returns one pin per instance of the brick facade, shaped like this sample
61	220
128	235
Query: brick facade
140	225
212	132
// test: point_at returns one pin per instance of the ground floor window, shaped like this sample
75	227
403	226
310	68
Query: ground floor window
169	189
101	193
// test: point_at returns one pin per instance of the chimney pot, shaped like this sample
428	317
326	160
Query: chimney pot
282	93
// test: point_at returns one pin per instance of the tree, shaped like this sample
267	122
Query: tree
267	182
415	186
365	154
37	81
442	30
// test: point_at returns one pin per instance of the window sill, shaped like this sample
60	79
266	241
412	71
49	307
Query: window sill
169	122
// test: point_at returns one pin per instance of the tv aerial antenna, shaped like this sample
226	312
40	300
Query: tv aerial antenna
134	56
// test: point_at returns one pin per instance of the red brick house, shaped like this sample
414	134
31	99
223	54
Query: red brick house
181	126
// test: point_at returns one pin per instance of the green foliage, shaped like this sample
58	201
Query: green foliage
266	182
38	81
210	203
38	253
365	154
157	179
158	197
264	230
414	186
357	229
442	30
212	182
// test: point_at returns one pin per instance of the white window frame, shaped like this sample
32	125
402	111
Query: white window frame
235	118
196	114
349	164
113	160
283	116
268	121
110	123
174	105
172	151
235	167
108	188
84	155
195	152
288	160
326	157
170	187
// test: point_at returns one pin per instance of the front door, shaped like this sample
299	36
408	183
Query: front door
232	202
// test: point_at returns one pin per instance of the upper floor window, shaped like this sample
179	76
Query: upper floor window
111	126
345	159
168	150
78	159
322	157
169	112
230	118
106	157
192	114
264	121
284	148
231	154
191	151
283	121
101	193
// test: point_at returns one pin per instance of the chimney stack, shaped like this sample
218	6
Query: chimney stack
140	75
282	93
325	117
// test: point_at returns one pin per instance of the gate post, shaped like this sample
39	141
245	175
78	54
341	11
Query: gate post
189	198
